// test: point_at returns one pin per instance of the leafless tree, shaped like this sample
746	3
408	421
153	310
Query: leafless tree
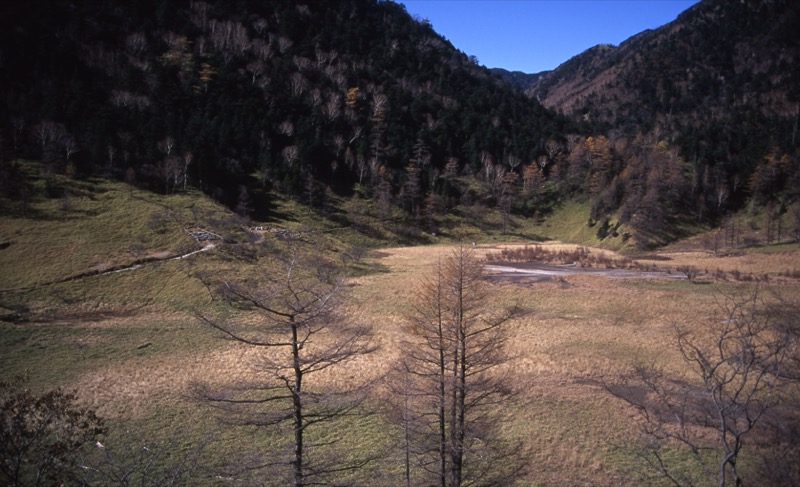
737	364
513	161
230	38
290	154
122	98
316	97
286	128
721	192
452	380
295	315
18	127
777	459
553	148
380	104
136	43
168	170
111	152
256	69
166	145
298	83
188	157
332	108
261	49
302	63
69	146
49	135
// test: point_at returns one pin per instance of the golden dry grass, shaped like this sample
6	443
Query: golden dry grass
577	329
751	262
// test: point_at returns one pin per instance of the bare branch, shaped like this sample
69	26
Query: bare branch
300	316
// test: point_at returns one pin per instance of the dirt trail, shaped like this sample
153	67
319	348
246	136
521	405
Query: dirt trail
137	264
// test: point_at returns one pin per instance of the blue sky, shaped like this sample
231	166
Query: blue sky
538	35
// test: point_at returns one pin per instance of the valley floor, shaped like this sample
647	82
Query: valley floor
133	350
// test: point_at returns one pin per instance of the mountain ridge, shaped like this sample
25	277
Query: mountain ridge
518	79
711	41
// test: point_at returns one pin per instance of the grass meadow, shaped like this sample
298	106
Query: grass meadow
129	343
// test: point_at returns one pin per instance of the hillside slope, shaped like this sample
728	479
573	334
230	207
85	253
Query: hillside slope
716	58
518	79
240	99
705	107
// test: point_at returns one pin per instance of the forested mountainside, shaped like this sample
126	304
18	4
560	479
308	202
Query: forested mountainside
250	99
721	82
242	98
717	58
523	81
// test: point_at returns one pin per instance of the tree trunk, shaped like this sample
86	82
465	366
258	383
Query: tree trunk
441	412
459	379
407	443
298	410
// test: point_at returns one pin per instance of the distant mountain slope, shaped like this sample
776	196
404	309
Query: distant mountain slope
718	59
698	118
523	81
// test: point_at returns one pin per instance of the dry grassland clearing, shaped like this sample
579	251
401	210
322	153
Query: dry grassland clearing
132	347
578	329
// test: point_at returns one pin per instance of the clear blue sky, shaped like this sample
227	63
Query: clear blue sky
538	35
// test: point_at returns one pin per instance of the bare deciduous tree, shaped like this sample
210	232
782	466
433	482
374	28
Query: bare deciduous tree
296	316
290	154
188	157
452	380
166	145
51	137
298	83
736	365
168	171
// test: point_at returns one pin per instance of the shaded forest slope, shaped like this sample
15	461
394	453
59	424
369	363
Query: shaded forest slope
246	98
717	89
722	81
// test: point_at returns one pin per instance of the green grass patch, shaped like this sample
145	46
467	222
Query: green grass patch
570	223
110	226
60	351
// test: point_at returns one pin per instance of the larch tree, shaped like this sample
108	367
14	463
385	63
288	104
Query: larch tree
453	381
294	313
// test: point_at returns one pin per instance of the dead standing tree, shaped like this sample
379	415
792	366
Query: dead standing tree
451	381
736	367
301	325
